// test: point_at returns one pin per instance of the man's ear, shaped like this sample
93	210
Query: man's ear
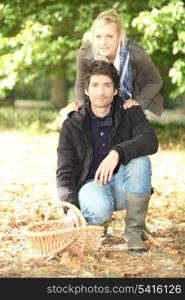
115	92
86	92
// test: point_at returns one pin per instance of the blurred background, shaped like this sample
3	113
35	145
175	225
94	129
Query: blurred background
39	40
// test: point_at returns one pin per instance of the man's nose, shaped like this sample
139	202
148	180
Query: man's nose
100	90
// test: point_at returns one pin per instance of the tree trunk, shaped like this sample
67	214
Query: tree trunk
183	103
59	91
9	98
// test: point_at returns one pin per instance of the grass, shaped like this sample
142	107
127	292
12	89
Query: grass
27	118
170	135
46	118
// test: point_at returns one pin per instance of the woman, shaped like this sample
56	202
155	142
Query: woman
139	78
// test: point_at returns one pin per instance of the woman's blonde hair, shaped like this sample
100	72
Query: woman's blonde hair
110	16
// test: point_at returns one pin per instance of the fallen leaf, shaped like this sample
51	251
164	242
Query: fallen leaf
164	275
171	251
153	241
155	267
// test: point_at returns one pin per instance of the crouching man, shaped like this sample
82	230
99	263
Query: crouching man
102	157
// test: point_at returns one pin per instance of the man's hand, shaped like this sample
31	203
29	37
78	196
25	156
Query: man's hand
106	168
129	103
74	106
71	220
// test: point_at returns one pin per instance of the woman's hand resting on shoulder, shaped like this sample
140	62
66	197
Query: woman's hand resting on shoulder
74	106
129	103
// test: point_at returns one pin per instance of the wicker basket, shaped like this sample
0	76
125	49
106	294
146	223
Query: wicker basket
49	237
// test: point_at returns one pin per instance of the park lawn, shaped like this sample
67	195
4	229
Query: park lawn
27	190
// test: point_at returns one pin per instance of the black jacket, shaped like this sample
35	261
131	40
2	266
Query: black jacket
131	136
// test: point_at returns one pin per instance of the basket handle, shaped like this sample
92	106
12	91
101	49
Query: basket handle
75	209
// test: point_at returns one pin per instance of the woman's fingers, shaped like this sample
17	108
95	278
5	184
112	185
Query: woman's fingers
129	103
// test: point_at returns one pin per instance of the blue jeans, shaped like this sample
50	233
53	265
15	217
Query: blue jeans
98	201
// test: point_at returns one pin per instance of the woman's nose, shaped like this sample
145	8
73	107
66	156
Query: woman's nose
103	40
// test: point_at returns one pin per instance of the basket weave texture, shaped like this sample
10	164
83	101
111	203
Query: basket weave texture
50	237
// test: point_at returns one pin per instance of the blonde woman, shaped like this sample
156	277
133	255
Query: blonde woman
140	81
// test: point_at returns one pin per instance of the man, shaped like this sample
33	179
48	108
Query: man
102	163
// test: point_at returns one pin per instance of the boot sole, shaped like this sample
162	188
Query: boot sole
137	250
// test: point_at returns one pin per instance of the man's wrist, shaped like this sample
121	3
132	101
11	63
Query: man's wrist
118	150
115	153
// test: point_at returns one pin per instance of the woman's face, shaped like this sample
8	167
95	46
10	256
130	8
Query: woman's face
106	39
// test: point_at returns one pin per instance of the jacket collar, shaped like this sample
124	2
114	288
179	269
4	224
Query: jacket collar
80	118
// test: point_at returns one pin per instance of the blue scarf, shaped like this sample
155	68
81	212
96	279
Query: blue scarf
124	70
125	73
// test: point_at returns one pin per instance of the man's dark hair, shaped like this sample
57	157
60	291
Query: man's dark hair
101	67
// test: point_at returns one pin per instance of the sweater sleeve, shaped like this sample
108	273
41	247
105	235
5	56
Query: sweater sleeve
81	70
149	78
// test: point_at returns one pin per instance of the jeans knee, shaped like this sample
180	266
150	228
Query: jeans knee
97	217
96	202
140	167
138	176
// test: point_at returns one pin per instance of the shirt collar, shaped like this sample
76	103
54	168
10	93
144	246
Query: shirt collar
105	121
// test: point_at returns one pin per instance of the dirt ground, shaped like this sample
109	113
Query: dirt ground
27	191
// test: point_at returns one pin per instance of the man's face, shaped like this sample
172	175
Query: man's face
101	91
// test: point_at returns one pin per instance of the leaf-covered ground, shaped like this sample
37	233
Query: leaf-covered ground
27	191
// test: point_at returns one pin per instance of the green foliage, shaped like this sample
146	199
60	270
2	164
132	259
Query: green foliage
36	48
163	36
33	119
38	45
170	135
41	37
38	90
